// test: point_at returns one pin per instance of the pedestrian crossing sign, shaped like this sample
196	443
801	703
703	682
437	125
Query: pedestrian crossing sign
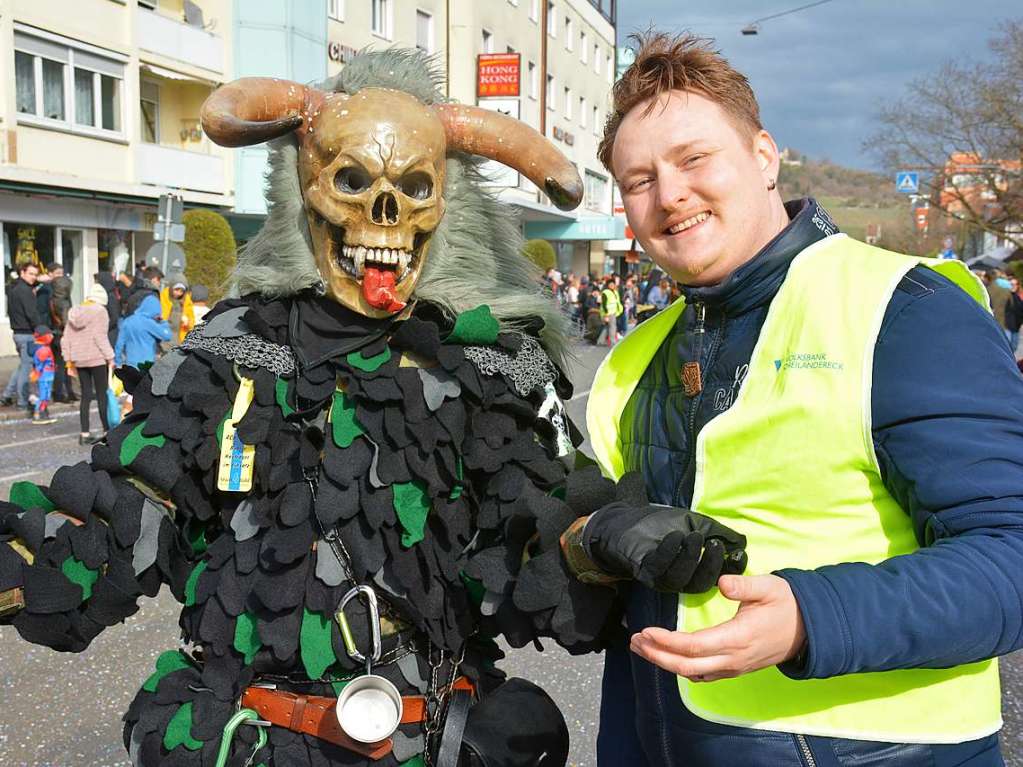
907	181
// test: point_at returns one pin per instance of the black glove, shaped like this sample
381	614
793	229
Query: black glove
664	548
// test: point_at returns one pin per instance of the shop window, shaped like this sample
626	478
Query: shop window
64	86
29	242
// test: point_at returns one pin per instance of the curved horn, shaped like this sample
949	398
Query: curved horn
515	144
252	110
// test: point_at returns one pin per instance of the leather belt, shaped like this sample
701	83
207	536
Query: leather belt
314	715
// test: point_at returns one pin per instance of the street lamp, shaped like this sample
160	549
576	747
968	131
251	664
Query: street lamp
753	28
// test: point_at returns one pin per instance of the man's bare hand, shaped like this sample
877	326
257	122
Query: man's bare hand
767	630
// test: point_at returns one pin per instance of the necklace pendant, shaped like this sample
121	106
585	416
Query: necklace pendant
692	379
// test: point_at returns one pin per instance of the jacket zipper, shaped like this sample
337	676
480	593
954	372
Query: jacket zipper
804	747
699	331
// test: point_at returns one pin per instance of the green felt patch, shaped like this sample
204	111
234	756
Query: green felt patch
195	532
220	428
167	663
134	443
317	648
415	761
368	364
246	636
476	326
28	495
474	588
192	583
339	686
343	426
77	572
179	730
281	393
411	505
456	491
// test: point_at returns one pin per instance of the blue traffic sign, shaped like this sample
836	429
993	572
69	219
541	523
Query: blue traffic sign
907	181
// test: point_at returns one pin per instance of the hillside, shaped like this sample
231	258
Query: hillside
854	198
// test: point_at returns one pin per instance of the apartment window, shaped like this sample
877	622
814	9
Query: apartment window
513	2
610	69
595	191
534	10
534	80
596	121
584	46
551	92
380	18
149	111
424	31
569	34
582	111
596	59
336	9
150	4
568	103
486	42
60	84
552	19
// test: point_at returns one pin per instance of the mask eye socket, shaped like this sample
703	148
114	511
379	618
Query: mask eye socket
418	186
352	180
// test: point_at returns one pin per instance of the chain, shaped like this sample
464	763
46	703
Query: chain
437	695
249	350
527	368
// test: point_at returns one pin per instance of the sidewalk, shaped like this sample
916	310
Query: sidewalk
7	367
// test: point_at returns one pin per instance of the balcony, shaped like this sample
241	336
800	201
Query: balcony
177	40
179	169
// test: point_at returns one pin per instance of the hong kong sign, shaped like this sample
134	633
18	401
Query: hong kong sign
499	74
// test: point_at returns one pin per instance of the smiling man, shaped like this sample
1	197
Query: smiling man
856	414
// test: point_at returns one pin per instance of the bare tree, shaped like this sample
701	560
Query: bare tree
962	129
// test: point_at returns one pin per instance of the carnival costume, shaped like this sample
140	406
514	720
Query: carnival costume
350	474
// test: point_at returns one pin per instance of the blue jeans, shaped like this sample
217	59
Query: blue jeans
644	724
18	384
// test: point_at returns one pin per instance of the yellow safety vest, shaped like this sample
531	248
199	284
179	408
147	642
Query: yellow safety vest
792	466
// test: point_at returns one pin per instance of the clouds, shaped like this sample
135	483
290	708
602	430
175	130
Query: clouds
822	74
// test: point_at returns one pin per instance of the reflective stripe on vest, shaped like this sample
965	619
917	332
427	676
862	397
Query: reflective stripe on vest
791	465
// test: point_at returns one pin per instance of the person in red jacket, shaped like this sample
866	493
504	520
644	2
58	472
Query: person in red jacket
42	374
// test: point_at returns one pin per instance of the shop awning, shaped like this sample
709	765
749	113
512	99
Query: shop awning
170	74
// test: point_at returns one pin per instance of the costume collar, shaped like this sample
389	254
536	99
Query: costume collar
755	282
321	329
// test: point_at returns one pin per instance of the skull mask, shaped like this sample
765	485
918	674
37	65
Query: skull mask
371	166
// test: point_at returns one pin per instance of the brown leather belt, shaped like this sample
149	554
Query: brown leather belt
314	715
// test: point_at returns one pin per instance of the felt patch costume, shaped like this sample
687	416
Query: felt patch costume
367	413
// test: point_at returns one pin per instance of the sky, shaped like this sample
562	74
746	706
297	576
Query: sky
822	74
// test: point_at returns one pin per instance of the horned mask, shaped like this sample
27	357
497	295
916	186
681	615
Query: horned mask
371	166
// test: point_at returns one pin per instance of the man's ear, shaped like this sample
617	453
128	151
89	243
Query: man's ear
766	152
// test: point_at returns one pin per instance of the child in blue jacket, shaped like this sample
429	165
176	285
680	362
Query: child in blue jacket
140	334
42	374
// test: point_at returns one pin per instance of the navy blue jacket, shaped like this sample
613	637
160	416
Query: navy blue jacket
947	414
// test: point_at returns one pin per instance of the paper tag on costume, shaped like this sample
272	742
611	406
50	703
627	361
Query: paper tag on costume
234	474
553	411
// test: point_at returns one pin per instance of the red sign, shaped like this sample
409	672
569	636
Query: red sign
498	74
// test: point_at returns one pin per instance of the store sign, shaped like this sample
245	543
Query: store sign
340	53
498	74
595	228
564	136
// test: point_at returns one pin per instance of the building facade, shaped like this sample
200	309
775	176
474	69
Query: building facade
99	109
99	115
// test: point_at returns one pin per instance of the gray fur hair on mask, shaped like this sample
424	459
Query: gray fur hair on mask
475	255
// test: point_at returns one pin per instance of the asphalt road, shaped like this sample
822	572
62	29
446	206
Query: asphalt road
62	710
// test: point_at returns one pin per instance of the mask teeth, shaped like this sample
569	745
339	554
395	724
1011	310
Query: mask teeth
353	259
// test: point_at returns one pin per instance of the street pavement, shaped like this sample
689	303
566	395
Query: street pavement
62	710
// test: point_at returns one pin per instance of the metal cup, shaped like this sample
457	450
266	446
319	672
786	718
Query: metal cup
369	709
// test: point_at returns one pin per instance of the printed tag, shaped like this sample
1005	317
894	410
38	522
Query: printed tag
234	474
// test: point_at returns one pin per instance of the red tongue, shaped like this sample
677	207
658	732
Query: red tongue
378	289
